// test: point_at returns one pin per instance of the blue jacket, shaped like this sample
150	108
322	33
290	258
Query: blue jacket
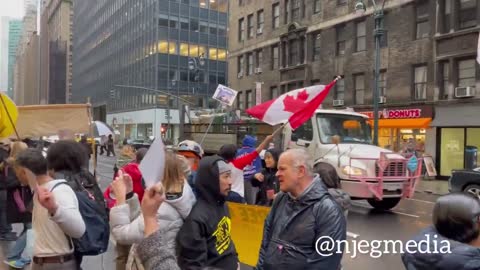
249	171
430	245
294	226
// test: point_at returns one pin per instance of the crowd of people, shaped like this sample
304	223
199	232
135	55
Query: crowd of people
183	222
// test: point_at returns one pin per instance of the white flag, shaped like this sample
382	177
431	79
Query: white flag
478	49
153	164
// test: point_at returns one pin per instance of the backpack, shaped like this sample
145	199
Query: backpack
97	230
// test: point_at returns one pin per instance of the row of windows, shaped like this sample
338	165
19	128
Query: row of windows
250	26
466	77
217	5
192	50
193	25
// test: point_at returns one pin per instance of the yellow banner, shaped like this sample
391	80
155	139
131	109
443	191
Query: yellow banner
247	230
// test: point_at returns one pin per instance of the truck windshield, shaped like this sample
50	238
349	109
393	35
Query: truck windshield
350	129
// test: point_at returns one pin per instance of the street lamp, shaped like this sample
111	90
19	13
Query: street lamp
194	64
361	8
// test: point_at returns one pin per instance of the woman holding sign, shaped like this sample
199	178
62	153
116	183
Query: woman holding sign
128	224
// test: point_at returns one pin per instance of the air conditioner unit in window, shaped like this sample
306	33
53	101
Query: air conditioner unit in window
258	70
259	31
382	100
463	92
240	75
338	102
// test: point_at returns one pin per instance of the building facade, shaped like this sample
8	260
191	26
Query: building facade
4	25
15	29
26	70
26	66
175	47
289	44
56	47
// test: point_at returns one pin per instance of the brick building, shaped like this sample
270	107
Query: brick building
289	44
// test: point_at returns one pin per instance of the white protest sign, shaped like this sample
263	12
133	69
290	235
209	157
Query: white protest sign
153	164
225	95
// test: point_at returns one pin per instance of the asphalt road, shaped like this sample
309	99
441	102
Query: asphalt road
364	223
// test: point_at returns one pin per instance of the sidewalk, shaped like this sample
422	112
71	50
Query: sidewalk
437	187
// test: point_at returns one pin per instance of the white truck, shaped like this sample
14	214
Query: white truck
342	139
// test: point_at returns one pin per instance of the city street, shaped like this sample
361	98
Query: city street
409	217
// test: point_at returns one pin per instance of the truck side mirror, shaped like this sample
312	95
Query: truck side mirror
294	137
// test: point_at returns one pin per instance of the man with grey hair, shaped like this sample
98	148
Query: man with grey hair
303	220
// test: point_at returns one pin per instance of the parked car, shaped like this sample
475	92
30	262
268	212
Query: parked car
465	181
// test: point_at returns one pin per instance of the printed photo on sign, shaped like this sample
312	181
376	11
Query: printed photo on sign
225	95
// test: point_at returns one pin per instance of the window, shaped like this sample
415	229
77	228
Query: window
287	9
194	25
203	27
296	10
317	5
445	80
240	101
423	24
203	3
212	54
382	83
341	40
240	65
302	51
361	37
467	13
249	98
466	73
276	15
260	22
316	47
250	25
340	89
447	14
293	52
183	49
241	29
274	92
173	23
249	64
420	82
304	132
275	57
222	55
341	2
259	59
184	24
359	89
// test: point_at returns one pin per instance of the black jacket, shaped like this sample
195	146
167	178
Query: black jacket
295	226
433	253
8	178
270	181
204	239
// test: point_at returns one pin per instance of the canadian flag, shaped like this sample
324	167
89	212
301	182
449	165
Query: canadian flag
296	106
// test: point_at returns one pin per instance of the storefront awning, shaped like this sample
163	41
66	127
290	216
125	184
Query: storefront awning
403	123
463	115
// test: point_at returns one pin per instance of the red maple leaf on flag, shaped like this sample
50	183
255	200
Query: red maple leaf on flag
293	104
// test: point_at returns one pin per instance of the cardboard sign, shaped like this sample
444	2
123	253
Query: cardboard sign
225	95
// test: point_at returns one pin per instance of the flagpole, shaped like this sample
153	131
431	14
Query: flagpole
210	124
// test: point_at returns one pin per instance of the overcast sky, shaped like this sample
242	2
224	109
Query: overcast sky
11	8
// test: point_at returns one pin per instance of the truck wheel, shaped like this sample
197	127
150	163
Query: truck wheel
385	204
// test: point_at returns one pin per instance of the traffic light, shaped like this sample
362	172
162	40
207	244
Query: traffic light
163	129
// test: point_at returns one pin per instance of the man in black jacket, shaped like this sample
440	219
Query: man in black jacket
204	239
303	216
